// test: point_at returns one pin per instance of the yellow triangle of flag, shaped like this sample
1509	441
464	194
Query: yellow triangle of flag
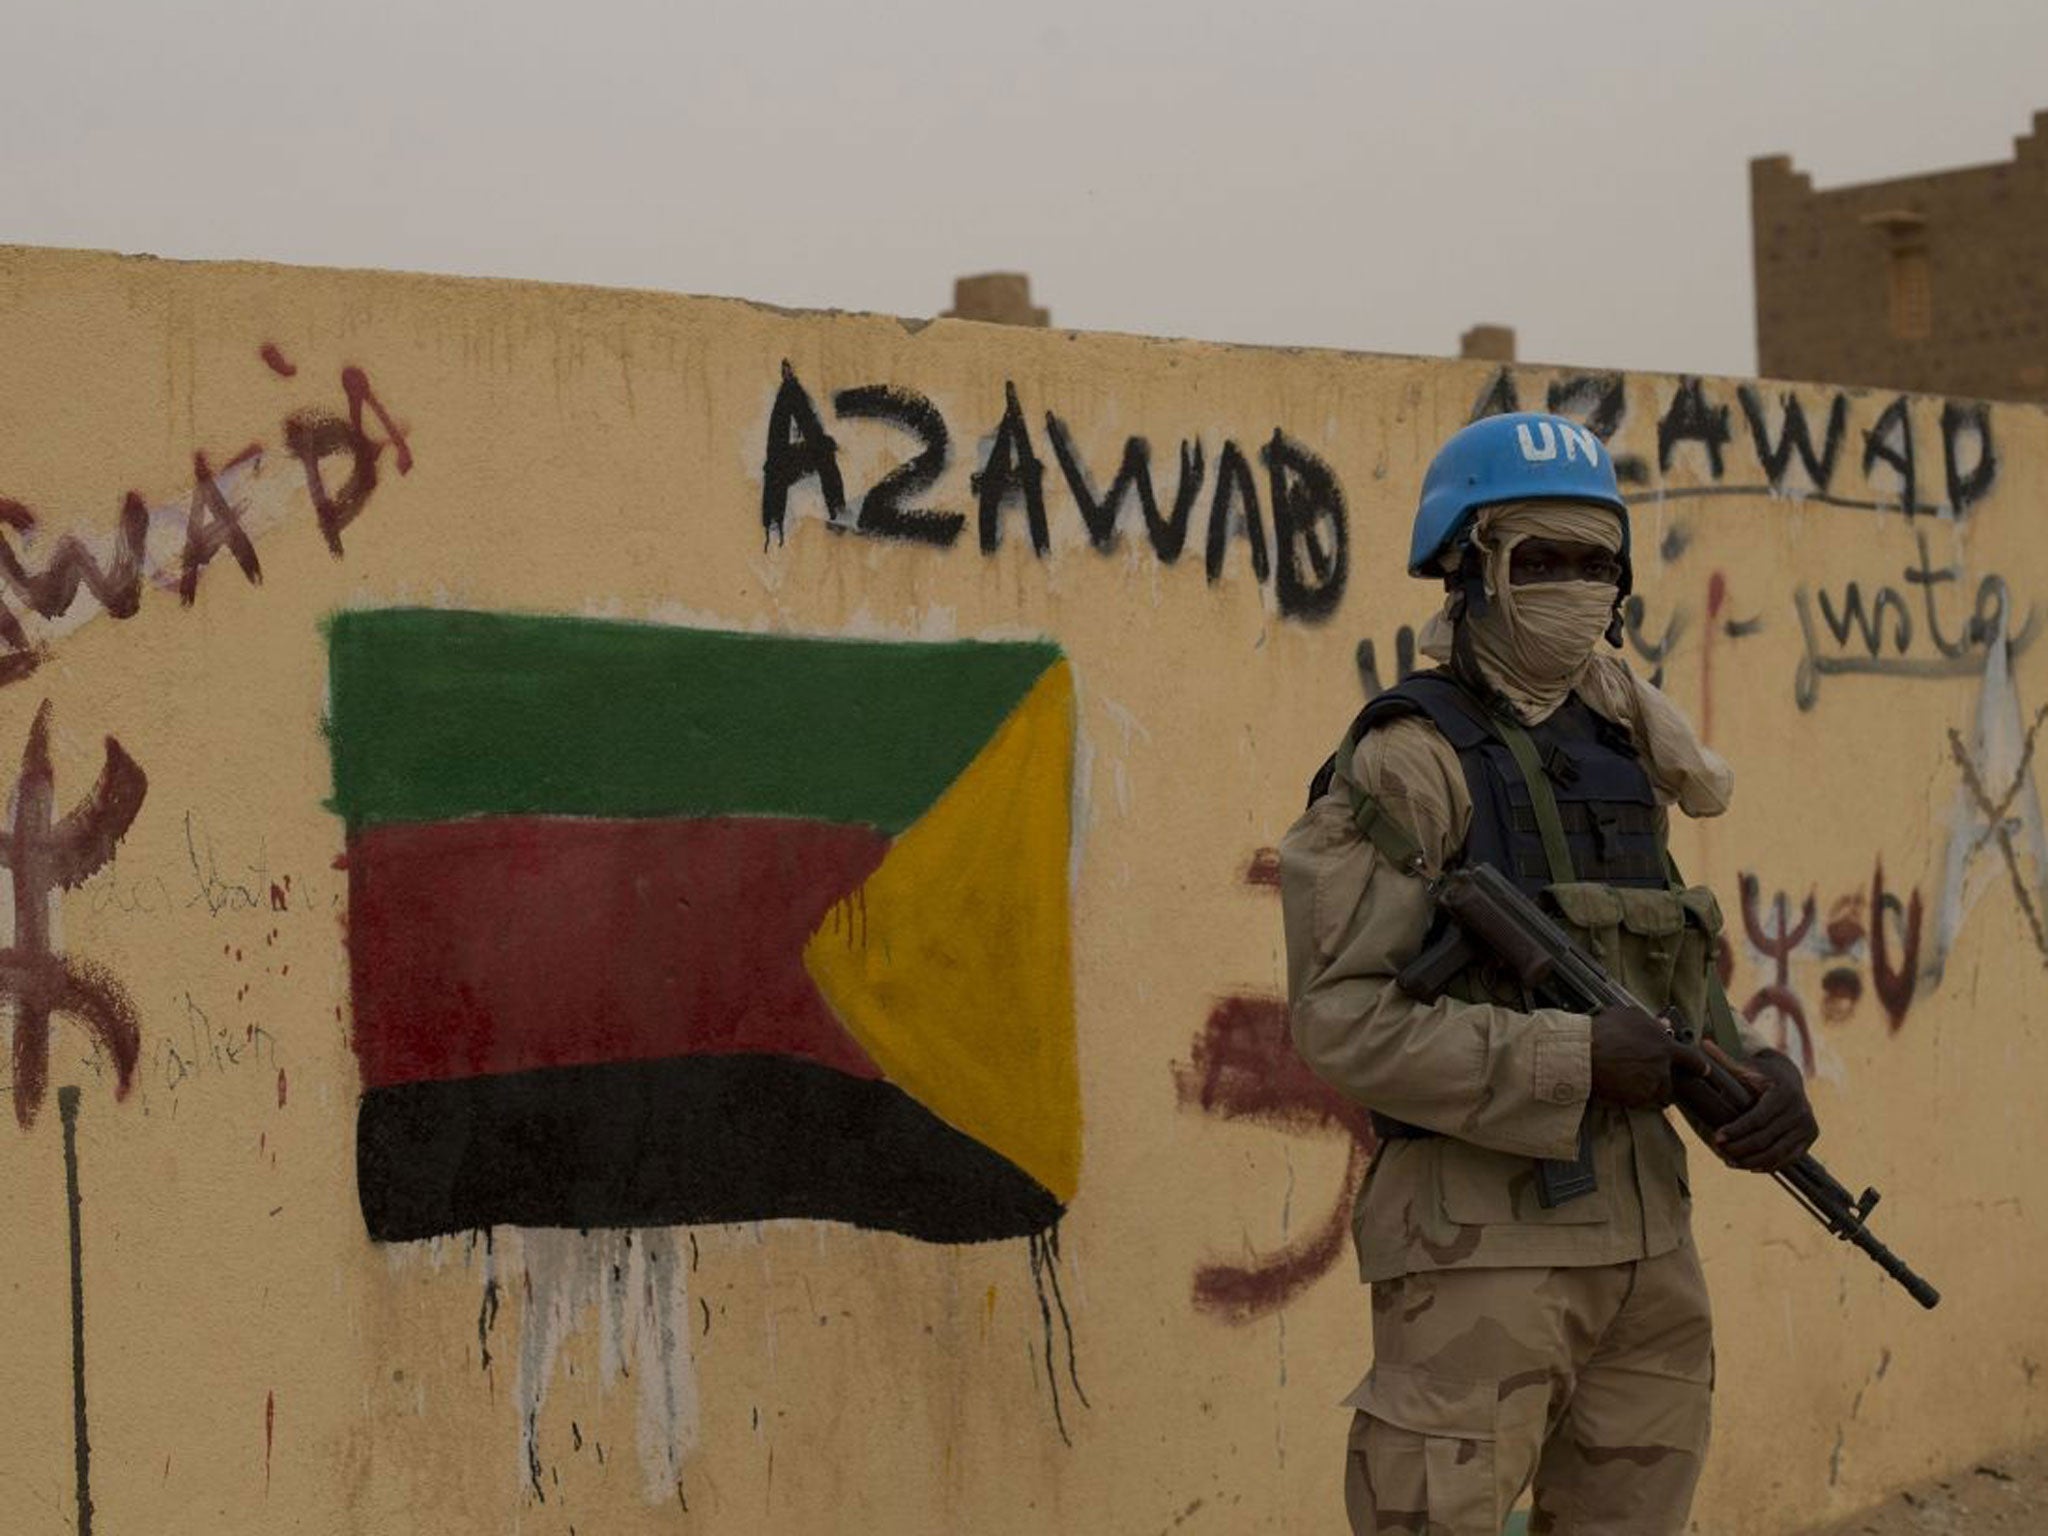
954	968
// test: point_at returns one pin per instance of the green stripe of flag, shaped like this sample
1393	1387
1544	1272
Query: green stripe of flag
435	714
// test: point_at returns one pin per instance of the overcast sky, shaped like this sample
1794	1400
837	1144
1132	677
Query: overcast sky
1355	174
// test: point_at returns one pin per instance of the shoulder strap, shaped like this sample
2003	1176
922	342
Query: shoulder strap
1721	1019
1557	853
1394	842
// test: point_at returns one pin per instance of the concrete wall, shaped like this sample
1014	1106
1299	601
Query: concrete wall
1014	1214
1976	240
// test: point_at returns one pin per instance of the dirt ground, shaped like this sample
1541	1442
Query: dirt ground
2003	1494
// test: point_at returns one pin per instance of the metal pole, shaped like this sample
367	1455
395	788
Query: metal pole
67	1109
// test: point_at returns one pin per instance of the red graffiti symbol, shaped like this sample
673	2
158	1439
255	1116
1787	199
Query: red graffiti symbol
1844	930
1894	985
356	385
1778	994
1841	986
46	854
213	525
1244	1067
1718	628
1791	1022
1779	946
314	436
276	361
1889	926
1841	989
117	587
1264	869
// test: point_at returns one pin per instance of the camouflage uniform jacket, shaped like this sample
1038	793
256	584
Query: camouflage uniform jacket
1503	1086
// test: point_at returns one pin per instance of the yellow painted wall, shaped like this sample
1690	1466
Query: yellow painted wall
255	1363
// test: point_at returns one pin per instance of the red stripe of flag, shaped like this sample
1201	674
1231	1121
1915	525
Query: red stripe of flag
511	943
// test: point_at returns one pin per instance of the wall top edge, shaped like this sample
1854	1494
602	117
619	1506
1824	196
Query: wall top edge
20	258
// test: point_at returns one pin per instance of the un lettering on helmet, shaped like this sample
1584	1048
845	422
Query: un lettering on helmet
1543	444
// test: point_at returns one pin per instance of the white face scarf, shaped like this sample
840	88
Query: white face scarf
1538	649
1534	643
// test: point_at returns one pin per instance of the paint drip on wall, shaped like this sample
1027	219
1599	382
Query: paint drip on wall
636	1282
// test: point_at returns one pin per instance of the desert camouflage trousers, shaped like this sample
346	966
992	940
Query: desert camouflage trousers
1595	1382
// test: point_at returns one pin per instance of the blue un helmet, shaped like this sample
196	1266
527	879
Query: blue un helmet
1521	456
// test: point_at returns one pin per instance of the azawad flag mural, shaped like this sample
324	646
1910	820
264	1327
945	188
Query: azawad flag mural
652	926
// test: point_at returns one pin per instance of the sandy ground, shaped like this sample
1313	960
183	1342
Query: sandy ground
2004	1494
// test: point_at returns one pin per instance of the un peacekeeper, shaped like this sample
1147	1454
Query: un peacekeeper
1524	1327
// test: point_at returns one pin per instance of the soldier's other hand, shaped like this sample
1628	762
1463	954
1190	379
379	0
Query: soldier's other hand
1634	1056
1779	1126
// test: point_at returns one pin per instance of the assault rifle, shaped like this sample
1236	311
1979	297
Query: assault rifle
1491	919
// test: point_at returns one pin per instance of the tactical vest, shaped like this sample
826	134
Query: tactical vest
1567	811
1605	804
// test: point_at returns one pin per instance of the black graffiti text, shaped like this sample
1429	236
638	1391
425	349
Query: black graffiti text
1282	503
1876	634
1753	444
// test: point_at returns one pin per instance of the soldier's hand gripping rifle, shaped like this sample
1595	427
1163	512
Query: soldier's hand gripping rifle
1490	918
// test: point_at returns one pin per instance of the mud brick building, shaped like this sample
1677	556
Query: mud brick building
1936	283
